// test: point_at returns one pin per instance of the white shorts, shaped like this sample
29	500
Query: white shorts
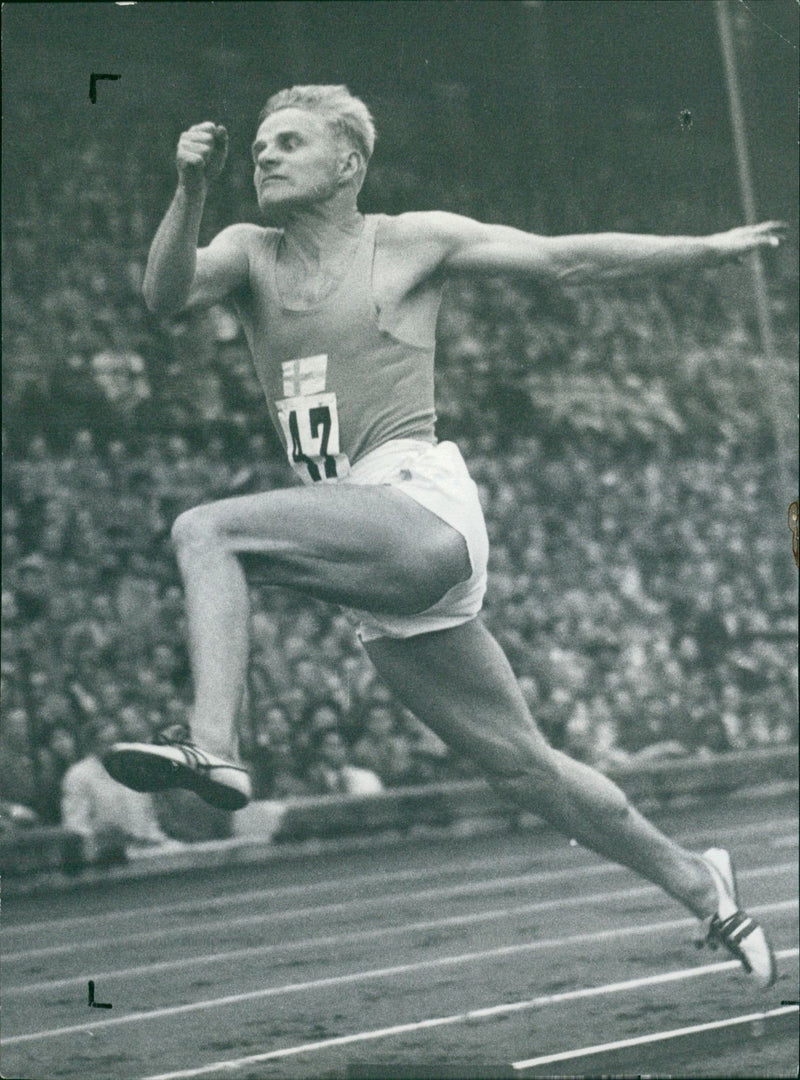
436	477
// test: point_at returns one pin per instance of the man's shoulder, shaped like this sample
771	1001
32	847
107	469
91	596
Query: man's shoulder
244	234
425	226
86	768
424	240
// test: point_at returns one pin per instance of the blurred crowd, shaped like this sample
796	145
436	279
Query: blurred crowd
630	625
642	600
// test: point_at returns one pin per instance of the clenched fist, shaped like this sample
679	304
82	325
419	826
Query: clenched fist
202	151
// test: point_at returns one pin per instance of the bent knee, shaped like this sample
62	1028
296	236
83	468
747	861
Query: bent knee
195	528
435	567
453	562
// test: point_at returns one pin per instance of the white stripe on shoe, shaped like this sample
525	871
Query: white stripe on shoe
158	766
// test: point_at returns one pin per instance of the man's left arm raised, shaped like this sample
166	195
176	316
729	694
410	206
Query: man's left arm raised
469	247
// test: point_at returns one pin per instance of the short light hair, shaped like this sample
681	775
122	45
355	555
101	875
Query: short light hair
348	116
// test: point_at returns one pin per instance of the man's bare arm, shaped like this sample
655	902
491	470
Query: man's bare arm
177	274
469	247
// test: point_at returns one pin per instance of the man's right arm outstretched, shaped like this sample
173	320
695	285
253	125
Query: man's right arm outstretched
177	274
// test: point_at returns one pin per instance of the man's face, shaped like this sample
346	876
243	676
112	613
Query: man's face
296	158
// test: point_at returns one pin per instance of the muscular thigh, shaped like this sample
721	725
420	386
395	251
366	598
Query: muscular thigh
367	547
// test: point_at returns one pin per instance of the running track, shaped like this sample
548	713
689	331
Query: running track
469	956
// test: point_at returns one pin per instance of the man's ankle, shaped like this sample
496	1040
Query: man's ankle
705	899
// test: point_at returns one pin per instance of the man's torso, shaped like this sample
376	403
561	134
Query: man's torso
354	369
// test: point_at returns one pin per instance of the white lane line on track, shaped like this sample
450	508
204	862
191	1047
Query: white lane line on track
358	881
457	1018
381	973
335	939
280	892
783	842
472	918
472	888
265	919
655	1036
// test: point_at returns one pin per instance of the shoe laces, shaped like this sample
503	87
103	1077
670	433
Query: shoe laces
718	936
173	734
711	938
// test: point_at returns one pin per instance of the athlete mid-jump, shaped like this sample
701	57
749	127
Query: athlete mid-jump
340	312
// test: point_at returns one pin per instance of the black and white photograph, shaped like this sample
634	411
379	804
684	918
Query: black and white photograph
399	539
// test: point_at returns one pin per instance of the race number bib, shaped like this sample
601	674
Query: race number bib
310	421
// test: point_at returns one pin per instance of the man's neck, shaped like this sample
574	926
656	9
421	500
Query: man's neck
313	234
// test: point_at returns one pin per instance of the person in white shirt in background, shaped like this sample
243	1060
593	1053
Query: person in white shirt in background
109	816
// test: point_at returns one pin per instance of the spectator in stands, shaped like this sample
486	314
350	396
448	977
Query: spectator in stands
56	710
381	749
270	730
316	681
55	758
273	764
123	379
81	402
32	593
178	477
37	474
18	779
11	546
133	723
82	479
169	665
294	701
320	714
330	772
285	781
108	816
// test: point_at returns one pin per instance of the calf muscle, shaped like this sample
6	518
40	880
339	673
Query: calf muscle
460	683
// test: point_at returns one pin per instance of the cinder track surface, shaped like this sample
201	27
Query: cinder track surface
369	964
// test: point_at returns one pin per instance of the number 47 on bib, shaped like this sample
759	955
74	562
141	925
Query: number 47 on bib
309	419
311	427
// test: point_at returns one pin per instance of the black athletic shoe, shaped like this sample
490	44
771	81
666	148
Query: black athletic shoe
171	761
